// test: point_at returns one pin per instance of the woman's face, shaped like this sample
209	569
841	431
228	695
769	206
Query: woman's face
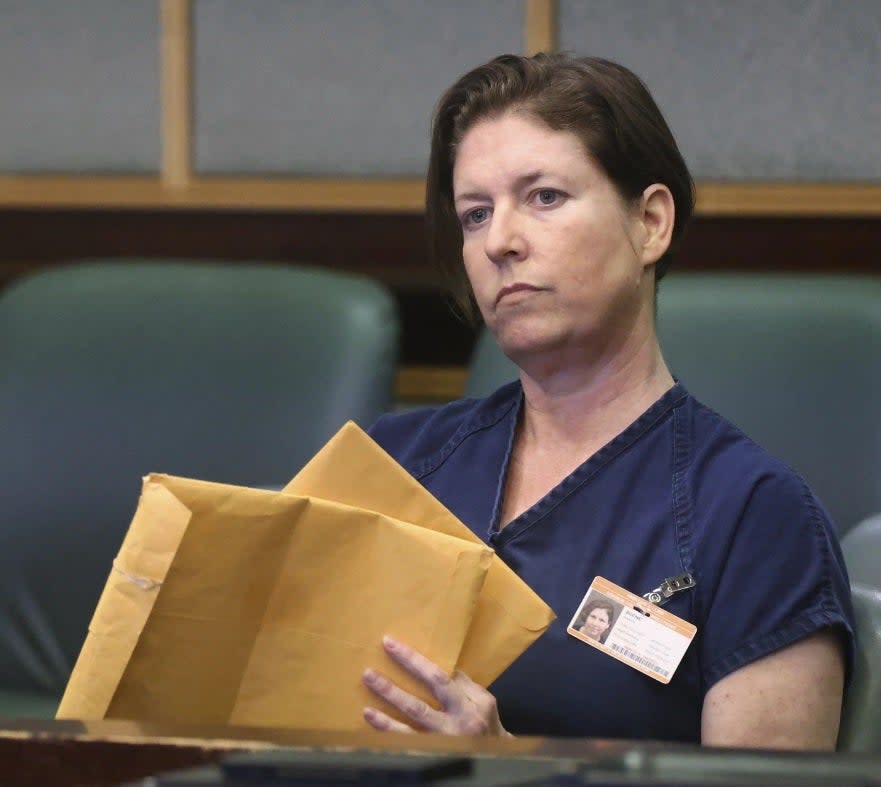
596	623
551	250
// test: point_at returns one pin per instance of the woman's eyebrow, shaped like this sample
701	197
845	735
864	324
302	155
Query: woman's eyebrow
471	196
521	181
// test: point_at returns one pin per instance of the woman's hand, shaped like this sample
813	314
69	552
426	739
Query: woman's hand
466	707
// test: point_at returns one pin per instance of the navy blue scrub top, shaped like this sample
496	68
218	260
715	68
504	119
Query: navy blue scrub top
680	490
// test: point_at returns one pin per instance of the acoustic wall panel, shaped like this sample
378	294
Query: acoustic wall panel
333	87
783	90
79	86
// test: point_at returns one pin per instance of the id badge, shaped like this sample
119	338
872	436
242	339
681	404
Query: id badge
631	629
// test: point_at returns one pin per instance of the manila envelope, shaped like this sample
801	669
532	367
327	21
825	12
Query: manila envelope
229	605
353	469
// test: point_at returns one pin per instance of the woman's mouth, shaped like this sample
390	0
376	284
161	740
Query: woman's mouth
514	289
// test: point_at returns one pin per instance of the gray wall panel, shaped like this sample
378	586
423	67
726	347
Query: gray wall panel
787	89
79	85
333	87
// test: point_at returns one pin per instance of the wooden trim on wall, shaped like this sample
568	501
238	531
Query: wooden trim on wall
788	199
392	195
380	195
540	26
429	383
176	92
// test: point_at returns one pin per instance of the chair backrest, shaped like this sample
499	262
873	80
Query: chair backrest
862	552
109	370
861	715
488	367
793	360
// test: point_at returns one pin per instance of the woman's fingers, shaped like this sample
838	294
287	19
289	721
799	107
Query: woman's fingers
383	722
438	682
412	707
466	707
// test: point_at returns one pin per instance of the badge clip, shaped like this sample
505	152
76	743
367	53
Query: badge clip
661	594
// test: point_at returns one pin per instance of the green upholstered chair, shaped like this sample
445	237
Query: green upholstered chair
794	360
861	720
488	367
109	370
861	717
862	552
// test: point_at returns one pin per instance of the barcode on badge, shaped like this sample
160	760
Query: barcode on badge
627	653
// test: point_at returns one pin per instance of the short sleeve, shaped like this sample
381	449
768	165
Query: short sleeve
781	577
407	435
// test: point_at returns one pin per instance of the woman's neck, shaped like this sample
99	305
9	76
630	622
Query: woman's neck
587	405
567	417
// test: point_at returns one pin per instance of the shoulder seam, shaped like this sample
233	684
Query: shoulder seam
471	426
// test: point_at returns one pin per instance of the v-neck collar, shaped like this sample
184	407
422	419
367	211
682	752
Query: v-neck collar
578	477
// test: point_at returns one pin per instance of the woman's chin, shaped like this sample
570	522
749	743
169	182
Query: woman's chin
522	343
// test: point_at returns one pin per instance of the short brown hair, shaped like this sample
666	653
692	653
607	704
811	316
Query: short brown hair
604	104
597	603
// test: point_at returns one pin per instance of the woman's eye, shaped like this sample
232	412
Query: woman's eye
476	216
547	196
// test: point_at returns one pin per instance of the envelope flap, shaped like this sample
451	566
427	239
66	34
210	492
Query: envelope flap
353	469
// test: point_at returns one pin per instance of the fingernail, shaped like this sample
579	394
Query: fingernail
369	675
389	643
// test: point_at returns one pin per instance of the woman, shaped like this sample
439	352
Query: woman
598	615
556	198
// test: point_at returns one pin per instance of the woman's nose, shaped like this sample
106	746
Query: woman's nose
505	240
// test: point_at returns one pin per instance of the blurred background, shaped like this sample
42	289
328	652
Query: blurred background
297	131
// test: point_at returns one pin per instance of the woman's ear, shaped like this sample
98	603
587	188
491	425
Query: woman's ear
657	213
